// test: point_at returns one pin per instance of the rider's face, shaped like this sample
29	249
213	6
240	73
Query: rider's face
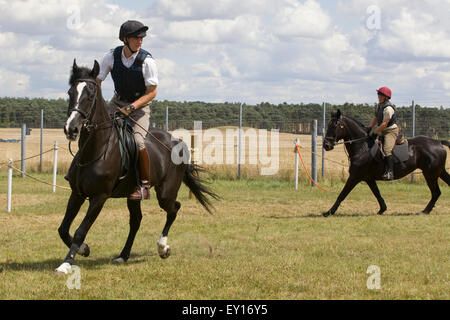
381	98
135	43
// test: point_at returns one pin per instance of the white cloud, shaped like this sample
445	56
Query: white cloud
298	19
13	84
233	50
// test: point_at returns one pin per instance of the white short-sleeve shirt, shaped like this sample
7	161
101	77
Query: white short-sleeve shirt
388	112
149	69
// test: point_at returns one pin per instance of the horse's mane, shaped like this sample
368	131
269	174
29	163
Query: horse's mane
79	73
357	122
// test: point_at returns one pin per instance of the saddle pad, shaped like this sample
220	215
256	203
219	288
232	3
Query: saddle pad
375	149
401	151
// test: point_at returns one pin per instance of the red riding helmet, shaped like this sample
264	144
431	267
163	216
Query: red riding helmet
385	91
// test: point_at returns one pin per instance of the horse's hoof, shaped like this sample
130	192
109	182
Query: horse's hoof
381	212
119	260
84	250
326	214
163	248
422	212
64	268
164	253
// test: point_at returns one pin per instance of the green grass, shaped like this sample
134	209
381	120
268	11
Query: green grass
264	241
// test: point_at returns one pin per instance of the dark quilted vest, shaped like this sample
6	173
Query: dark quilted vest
129	82
380	114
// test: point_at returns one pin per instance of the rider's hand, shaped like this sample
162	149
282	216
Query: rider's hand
127	110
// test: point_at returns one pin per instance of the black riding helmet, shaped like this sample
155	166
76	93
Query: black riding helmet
132	28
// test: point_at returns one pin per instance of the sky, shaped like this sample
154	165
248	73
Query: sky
247	51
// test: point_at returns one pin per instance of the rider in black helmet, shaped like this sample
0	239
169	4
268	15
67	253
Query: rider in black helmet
135	77
132	28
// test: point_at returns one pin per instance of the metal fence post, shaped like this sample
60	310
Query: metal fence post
167	119
9	193
193	154
413	130
55	164
323	139
240	142
297	144
41	140
23	149
314	152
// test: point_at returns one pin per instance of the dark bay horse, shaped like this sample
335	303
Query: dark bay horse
95	170
424	153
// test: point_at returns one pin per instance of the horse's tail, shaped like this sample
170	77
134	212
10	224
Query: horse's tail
445	176
198	188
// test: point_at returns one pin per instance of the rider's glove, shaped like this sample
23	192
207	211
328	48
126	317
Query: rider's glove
127	110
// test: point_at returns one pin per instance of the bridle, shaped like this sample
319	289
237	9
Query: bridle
87	121
341	125
87	115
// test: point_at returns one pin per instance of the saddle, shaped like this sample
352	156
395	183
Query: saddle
129	154
400	151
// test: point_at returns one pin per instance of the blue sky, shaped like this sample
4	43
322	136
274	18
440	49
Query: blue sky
239	50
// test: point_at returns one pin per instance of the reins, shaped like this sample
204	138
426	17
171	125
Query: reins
351	141
348	141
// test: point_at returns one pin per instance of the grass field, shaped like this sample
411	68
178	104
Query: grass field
264	241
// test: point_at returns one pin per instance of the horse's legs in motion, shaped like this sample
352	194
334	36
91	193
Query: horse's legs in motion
445	176
376	192
349	185
73	207
435	193
95	206
134	207
167	201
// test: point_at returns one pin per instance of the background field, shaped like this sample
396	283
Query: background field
336	161
264	241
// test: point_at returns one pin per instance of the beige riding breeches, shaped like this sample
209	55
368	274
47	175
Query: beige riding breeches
141	116
390	136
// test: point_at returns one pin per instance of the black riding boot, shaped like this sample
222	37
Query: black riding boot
389	165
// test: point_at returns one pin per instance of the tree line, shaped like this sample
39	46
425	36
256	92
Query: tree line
291	118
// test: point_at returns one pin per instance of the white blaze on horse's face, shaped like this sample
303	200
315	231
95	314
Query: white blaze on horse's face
73	123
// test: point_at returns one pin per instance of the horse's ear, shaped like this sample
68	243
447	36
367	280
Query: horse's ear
338	114
95	70
74	66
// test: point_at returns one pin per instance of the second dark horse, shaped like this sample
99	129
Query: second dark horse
424	153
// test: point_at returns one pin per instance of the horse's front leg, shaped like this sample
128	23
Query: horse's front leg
95	206
349	185
73	207
134	207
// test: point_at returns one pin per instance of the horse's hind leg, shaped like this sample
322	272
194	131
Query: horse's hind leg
376	192
445	176
134	207
73	207
95	206
167	201
435	193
